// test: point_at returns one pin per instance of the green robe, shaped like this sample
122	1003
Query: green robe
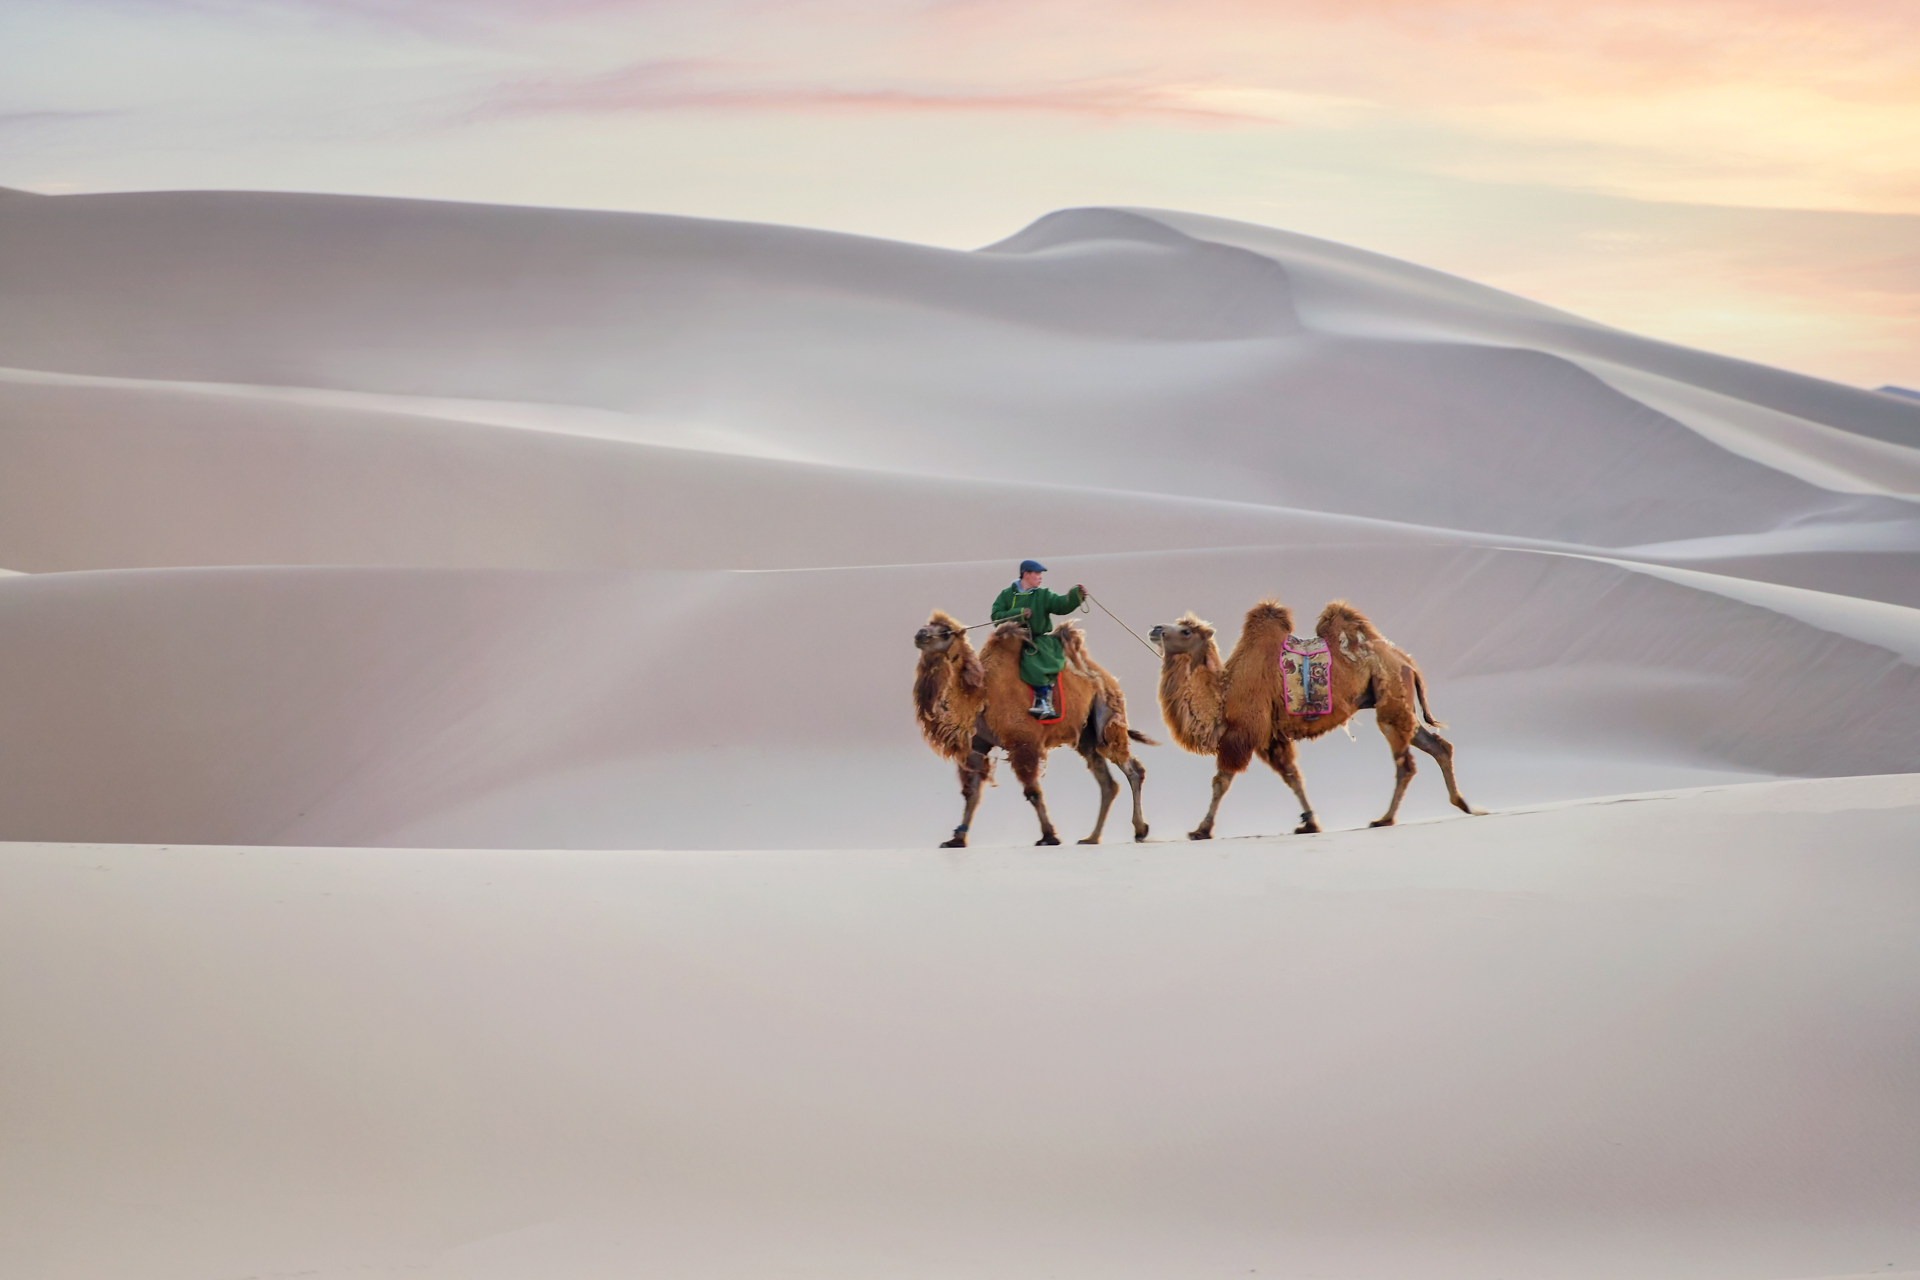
1044	654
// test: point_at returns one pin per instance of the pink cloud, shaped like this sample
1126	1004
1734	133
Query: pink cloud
697	85
1102	57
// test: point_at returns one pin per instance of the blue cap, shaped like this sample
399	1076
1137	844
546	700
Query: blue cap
1032	566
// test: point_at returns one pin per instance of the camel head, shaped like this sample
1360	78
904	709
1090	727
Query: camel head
1191	688
939	633
1189	636
946	685
943	646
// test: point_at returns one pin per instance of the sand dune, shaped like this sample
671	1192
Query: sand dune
120	477
1665	1038
1146	399
350	706
412	565
1341	289
1112	353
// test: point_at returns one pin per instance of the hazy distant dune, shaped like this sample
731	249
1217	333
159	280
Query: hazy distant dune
1103	354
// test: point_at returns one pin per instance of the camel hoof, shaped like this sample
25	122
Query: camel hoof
1048	840
1140	836
1199	835
1089	840
1381	822
1307	829
958	842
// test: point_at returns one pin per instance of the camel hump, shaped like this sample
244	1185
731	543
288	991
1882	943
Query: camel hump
1007	637
1271	611
1074	641
1340	616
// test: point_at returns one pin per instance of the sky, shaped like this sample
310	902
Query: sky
1737	175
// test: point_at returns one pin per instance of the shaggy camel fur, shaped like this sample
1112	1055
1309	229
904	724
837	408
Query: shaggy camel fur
1237	710
968	705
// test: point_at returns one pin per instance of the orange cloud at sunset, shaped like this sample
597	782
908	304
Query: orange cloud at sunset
1765	103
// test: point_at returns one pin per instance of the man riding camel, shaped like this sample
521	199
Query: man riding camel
1043	654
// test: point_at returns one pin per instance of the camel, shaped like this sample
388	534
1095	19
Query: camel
1236	710
967	705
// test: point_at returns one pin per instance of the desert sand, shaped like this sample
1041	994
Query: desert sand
466	817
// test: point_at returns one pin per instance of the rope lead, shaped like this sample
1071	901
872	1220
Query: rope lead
1129	630
1088	596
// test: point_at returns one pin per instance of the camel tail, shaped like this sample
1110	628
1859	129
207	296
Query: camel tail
1141	738
1420	689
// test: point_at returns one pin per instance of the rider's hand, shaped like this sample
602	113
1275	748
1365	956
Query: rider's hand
1026	613
1081	587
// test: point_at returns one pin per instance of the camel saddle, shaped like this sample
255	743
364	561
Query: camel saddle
1306	676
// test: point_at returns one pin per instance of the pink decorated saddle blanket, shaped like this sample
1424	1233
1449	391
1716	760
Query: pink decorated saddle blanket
1306	676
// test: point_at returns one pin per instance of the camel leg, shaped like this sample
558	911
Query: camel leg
1039	803
1281	757
1136	776
1221	781
1442	751
972	773
1399	741
1233	757
1026	767
1108	790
